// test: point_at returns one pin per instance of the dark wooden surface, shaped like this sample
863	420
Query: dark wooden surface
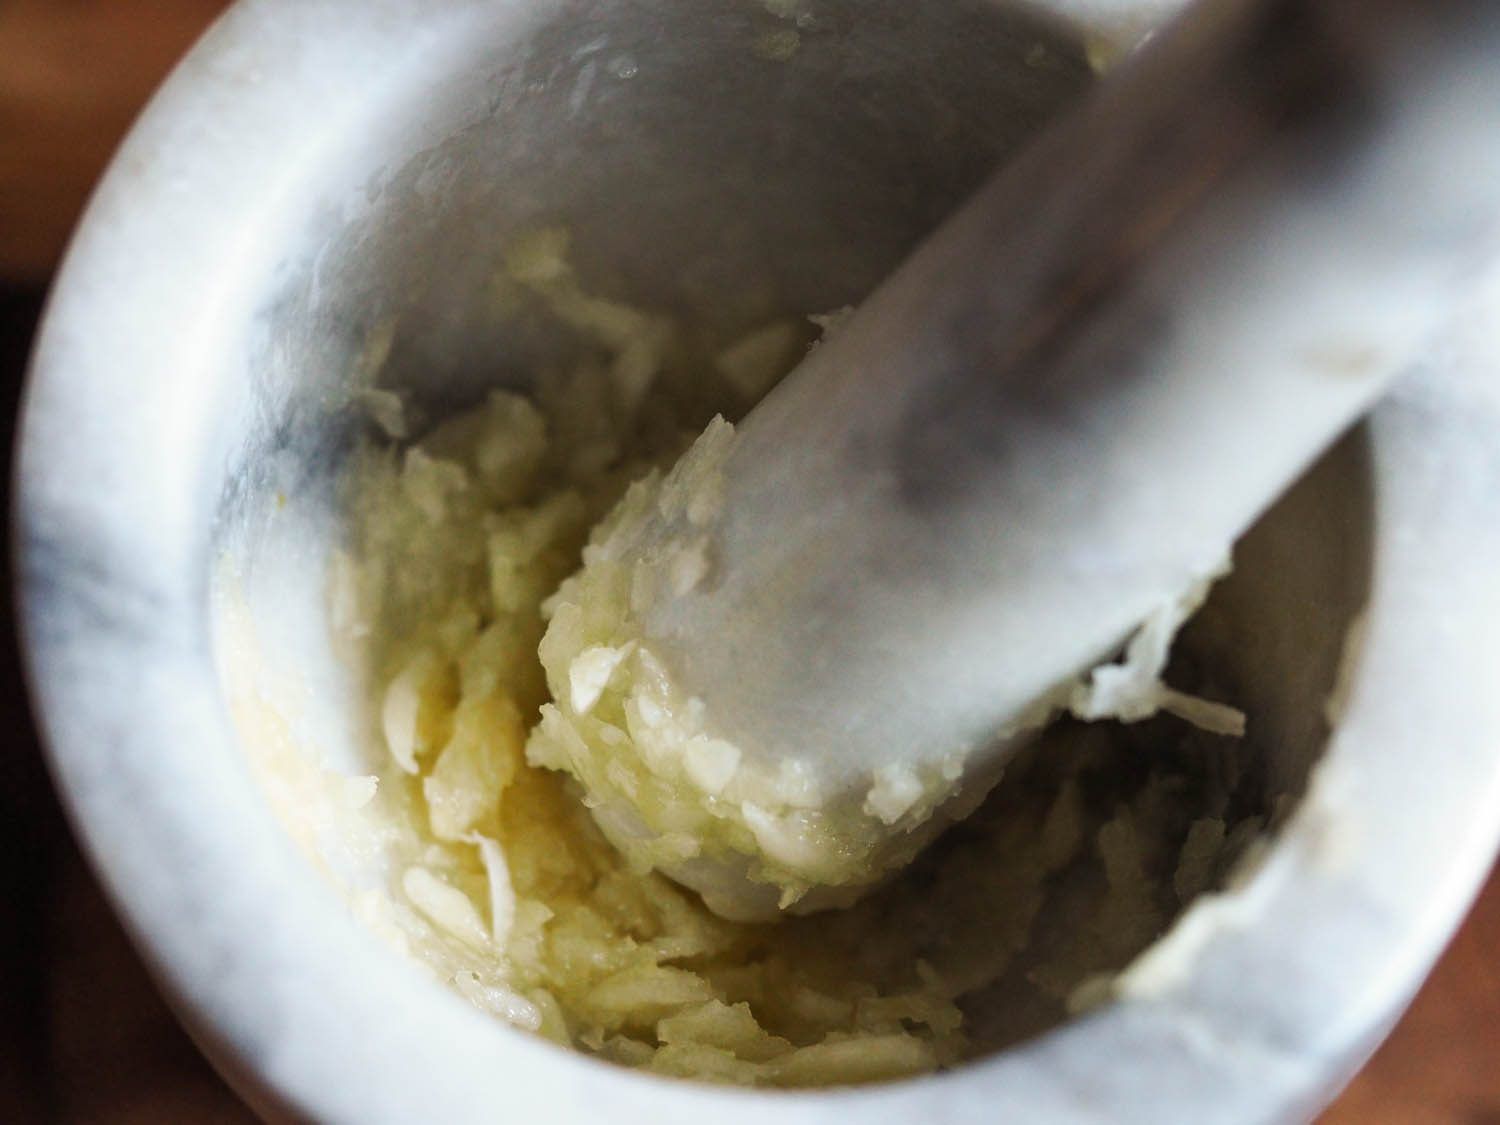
83	1035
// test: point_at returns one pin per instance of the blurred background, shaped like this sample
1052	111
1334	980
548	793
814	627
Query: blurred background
84	1036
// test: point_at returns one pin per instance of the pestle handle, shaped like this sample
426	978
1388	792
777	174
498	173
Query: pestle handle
1062	411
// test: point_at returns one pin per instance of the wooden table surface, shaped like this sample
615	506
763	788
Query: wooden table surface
83	1035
